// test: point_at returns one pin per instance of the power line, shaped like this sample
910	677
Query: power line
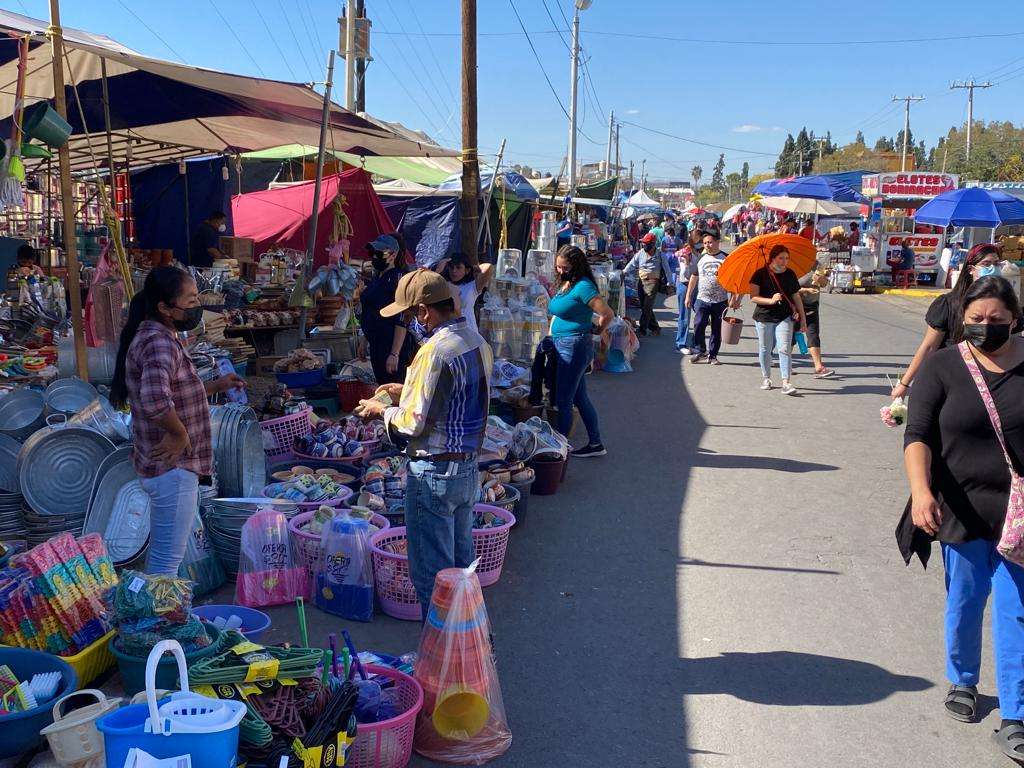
589	80
295	38
152	31
430	50
316	29
555	25
696	141
241	45
401	83
273	38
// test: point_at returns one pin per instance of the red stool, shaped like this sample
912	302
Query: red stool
904	278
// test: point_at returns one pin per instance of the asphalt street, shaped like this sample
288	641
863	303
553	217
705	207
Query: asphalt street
724	589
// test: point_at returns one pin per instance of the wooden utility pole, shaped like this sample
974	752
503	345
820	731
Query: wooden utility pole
906	125
361	63
470	157
970	86
67	201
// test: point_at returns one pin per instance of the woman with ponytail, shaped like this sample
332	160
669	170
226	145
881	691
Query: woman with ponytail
170	412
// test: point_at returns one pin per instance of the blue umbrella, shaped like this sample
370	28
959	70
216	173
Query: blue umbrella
972	207
818	188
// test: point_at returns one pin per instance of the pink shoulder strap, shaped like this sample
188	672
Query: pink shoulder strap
986	398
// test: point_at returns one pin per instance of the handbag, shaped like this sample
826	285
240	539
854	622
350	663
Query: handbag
1011	541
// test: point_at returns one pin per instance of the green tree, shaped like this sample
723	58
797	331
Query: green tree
718	175
745	176
696	172
734	185
784	166
859	139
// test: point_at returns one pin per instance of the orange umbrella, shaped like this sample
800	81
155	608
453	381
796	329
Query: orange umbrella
740	265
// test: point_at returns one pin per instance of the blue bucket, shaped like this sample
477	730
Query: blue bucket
21	729
254	623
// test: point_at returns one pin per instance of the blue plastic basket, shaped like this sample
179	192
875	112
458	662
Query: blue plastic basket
254	623
21	729
301	379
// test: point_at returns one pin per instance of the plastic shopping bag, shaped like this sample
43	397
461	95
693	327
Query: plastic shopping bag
200	563
344	585
268	573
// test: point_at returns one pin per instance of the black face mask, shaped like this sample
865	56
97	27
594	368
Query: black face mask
193	316
380	263
988	337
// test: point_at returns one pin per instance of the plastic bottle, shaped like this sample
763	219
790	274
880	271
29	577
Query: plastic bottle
344	585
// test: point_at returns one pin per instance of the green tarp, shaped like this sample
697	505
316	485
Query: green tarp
599	190
424	170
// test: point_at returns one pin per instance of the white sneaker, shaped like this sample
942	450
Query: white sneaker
683	350
788	389
766	384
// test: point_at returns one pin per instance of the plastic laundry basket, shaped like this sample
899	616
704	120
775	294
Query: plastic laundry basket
395	590
279	434
388	743
491	544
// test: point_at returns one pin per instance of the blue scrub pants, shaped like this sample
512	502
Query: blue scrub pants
973	569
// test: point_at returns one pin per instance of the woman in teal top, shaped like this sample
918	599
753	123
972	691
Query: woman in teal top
573	309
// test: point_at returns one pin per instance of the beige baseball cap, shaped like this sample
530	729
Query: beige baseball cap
423	286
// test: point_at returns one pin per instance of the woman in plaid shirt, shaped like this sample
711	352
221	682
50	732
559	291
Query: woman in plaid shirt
170	411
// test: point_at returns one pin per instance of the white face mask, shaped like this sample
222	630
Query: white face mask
222	228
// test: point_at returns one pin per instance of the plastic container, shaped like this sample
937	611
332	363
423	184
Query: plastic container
356	459
491	544
73	737
509	501
388	743
344	583
548	475
318	463
801	342
394	588
523	502
133	668
351	391
279	434
43	123
307	545
732	329
301	379
254	623
21	729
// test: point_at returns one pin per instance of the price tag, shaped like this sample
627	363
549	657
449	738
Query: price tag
262	670
136	584
243	648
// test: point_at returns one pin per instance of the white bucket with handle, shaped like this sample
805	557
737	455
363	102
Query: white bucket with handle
73	737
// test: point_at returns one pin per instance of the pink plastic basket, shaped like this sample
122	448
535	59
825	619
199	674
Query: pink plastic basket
388	744
491	544
344	494
279	434
308	545
394	588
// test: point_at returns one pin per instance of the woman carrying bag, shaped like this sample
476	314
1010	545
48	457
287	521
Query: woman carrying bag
776	292
963	448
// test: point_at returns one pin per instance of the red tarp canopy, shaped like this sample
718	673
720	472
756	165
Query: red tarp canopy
281	216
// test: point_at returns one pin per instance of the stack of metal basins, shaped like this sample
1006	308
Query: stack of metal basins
12	520
224	519
239	459
119	509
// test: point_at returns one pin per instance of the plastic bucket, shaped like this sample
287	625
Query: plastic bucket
42	122
254	623
73	737
523	502
732	329
21	729
548	475
460	713
133	668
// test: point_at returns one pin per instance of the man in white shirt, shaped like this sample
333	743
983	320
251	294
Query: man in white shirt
708	300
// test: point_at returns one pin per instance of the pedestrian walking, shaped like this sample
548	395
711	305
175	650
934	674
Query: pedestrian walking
708	300
647	265
943	317
810	294
964	436
686	265
573	308
172	447
441	414
775	291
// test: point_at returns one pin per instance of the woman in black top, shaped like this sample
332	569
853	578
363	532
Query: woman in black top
776	292
959	484
389	347
944	324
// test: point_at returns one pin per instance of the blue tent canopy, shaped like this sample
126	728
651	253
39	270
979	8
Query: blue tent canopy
510	181
972	207
817	188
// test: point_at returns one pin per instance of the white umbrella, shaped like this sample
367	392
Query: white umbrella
804	205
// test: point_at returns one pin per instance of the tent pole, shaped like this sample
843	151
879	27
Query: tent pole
490	192
66	193
307	263
470	155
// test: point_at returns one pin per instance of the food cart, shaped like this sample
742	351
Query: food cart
894	198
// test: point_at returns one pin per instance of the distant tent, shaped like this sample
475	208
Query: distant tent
404	188
641	199
509	181
600	190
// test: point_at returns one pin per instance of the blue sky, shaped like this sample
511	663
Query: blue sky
733	90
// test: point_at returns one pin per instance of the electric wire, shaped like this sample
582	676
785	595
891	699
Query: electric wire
295	38
273	39
234	34
696	141
402	85
316	29
437	62
152	31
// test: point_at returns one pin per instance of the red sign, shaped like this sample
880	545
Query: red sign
925	247
909	184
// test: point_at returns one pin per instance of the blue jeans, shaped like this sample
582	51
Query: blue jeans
973	569
439	498
173	498
684	336
779	335
703	313
574	355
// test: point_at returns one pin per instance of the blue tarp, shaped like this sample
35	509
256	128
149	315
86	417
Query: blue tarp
429	225
510	181
158	203
973	207
816	188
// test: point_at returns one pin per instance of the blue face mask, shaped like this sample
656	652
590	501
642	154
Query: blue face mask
988	270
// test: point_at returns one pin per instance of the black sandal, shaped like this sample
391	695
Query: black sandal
962	703
1011	741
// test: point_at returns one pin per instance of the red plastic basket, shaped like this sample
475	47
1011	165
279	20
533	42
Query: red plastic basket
279	434
351	391
391	579
308	545
388	744
491	544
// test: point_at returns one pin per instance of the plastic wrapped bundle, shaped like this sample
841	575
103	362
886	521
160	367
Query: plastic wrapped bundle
533	323
269	572
200	563
622	345
463	717
344	585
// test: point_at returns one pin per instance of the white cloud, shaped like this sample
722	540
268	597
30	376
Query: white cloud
746	128
776	128
632	111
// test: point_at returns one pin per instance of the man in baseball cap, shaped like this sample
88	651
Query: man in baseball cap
440	416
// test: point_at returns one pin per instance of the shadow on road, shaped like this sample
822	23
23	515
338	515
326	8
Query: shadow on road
743	566
704	458
788	679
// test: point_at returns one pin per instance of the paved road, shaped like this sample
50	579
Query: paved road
723	589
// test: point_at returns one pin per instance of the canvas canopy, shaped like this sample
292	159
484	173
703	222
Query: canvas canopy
162	111
421	170
405	188
641	199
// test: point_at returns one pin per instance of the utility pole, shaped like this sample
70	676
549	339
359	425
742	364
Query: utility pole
821	149
617	156
349	52
906	125
631	177
800	169
643	174
66	194
970	106
470	163
608	152
574	68
361	61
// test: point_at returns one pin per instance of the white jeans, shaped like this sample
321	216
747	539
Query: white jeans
174	498
781	335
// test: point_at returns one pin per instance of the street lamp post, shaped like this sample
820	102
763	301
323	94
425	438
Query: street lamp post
581	5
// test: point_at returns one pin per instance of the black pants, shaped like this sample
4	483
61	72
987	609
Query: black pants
705	313
647	320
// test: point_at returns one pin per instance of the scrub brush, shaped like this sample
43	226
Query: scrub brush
44	686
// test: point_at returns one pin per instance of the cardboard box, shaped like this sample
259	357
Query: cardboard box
247	269
237	247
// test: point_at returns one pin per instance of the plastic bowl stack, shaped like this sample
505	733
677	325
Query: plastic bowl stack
224	521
